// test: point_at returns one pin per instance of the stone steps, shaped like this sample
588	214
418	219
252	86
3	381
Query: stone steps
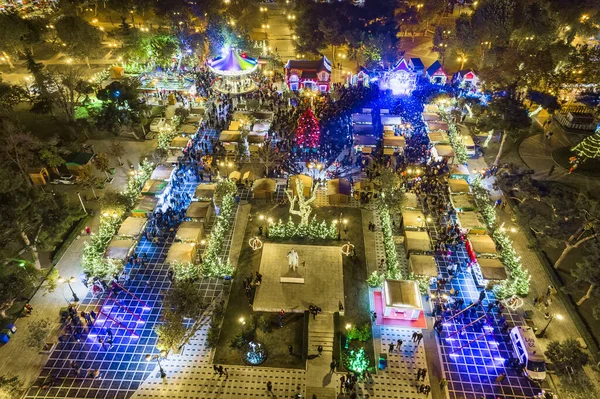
321	393
320	332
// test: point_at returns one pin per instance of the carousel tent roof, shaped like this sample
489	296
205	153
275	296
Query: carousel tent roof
190	231
423	265
402	294
181	252
482	244
119	249
132	227
492	269
233	63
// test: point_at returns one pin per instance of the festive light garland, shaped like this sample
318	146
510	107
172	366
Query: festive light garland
460	150
356	360
314	230
185	271
392	271
308	132
589	147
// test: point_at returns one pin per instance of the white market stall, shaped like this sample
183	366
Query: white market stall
184	252
132	228
190	232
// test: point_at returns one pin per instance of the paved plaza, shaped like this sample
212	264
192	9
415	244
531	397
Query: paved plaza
321	268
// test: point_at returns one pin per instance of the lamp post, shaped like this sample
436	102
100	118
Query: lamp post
243	323
462	61
69	281
543	332
348	327
262	221
269	223
81	201
157	357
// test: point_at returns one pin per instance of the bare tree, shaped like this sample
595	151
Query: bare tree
18	147
68	88
304	207
269	156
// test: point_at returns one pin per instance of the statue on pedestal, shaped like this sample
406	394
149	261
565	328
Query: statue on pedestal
293	259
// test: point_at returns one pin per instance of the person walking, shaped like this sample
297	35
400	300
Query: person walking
220	371
500	378
290	350
423	374
215	368
270	387
226	372
414	336
426	390
390	347
399	344
419	371
332	366
419	338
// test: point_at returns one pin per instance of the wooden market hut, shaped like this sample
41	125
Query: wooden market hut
416	242
162	172
393	144
235	176
492	269
179	142
174	156
438	137
264	188
184	252
308	184
459	171
154	187
205	192
77	161
338	191
423	265
199	211
228	136
458	186
482	245
443	151
119	249
412	220
132	228
190	232
194	118
410	201
472	222
437	125
144	207
402	299
188	128
463	202
235	126
431	117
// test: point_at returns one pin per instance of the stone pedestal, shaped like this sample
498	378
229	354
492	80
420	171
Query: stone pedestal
292	276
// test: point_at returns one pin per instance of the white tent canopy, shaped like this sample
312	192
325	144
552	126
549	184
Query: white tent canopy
181	252
119	249
191	232
132	227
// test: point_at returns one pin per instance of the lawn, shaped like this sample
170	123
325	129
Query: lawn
275	338
589	168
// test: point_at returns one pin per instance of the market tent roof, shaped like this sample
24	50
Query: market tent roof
229	135
413	219
184	252
463	202
431	117
444	150
233	63
364	186
482	244
174	156
263	187
205	191
423	265
248	175
363	130
119	249
492	269
194	118
79	158
188	128
162	172
410	201
145	205
431	126
459	170
437	137
338	186
234	126
132	227
402	294
391	120
308	183
235	175
458	186
190	232
431	108
199	210
417	241
468	141
470	220
362	118
261	127
365	140
154	187
257	137
266	115
394	141
179	142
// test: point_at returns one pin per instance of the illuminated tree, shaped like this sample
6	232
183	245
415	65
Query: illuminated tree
308	132
589	147
304	207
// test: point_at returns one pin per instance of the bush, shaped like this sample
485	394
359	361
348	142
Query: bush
238	341
263	323
38	332
363	334
212	337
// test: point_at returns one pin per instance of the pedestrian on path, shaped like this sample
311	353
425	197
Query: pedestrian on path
399	344
332	366
220	371
414	336
419	338
291	350
270	387
390	347
500	378
423	374
443	383
426	390
419	371
215	368
226	372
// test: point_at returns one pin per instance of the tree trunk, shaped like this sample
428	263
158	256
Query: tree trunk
587	295
6	306
94	192
120	162
10	64
87	61
32	249
569	247
504	135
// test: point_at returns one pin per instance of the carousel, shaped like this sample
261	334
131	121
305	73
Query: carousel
233	70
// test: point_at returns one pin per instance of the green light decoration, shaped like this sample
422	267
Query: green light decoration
392	271
186	271
460	150
589	147
356	360
314	230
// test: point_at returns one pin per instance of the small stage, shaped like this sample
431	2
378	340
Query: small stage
421	322
322	270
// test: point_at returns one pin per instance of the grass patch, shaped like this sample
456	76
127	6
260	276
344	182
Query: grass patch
588	168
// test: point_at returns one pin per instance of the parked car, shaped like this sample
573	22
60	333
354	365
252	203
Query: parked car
65	179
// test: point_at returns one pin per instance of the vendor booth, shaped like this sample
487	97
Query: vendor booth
459	171
256	138
190	232
261	127
416	242
306	180
471	222
422	265
364	143
174	157
402	299
154	187
393	144
488	270
188	128
179	142
132	228
119	249
391	119
436	126
184	252
205	192
412	220
463	202
228	136
438	137
235	126
194	119
144	207
199	211
410	201
444	151
482	245
162	172
338	191
431	117
362	119
458	186
264	188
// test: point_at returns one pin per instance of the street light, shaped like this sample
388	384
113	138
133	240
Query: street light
243	323
462	61
81	201
543	332
69	281
157	357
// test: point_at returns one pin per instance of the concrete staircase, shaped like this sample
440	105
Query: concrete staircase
320	332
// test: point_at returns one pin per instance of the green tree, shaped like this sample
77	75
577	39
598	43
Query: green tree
102	164
16	36
10	387
494	20
184	298
391	194
10	97
19	148
82	39
117	150
88	179
269	156
164	48
51	157
37	333
70	89
587	272
567	356
171	333
16	279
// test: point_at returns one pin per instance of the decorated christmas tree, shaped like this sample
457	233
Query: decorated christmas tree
589	147
308	132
